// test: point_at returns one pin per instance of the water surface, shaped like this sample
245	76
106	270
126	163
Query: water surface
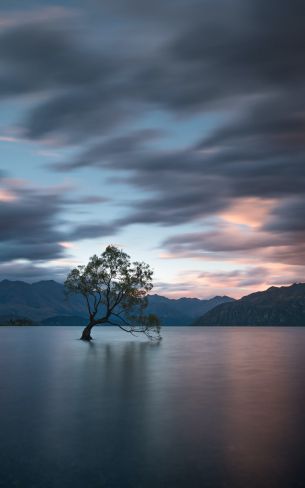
207	407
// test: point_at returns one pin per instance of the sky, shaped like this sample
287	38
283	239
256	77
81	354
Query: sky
172	129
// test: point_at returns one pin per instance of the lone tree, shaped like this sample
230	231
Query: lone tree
115	292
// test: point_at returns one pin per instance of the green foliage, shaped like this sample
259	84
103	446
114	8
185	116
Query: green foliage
112	284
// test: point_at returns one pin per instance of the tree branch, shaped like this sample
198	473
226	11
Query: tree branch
88	304
121	318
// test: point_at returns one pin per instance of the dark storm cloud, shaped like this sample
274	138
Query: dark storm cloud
232	243
30	272
28	227
29	224
193	183
277	120
288	217
116	152
221	50
76	84
40	56
91	231
30	221
76	115
255	48
223	240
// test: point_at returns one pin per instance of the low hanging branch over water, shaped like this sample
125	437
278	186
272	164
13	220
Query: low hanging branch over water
115	292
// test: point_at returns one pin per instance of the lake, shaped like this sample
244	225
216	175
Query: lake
206	407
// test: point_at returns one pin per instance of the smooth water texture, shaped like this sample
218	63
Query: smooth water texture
207	407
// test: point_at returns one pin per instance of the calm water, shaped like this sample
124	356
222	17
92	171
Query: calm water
221	407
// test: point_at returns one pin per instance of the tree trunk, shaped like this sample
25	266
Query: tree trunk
86	335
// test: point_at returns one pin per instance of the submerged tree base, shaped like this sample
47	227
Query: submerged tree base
86	336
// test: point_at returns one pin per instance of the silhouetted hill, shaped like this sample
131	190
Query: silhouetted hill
182	311
65	320
46	302
15	320
38	300
284	306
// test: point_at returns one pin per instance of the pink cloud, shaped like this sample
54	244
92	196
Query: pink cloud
235	283
7	195
66	245
19	17
251	211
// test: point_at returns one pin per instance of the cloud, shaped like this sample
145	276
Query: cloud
224	239
288	217
7	195
46	57
75	84
29	227
116	152
26	271
93	88
91	231
236	282
31	222
18	18
244	280
86	200
247	277
204	58
241	244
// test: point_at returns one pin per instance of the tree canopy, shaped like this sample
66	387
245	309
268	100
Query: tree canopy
115	291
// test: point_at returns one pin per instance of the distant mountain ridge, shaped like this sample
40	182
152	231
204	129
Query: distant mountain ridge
46	302
37	301
182	311
283	306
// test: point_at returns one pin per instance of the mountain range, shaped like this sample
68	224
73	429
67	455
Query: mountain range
284	306
45	302
182	311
